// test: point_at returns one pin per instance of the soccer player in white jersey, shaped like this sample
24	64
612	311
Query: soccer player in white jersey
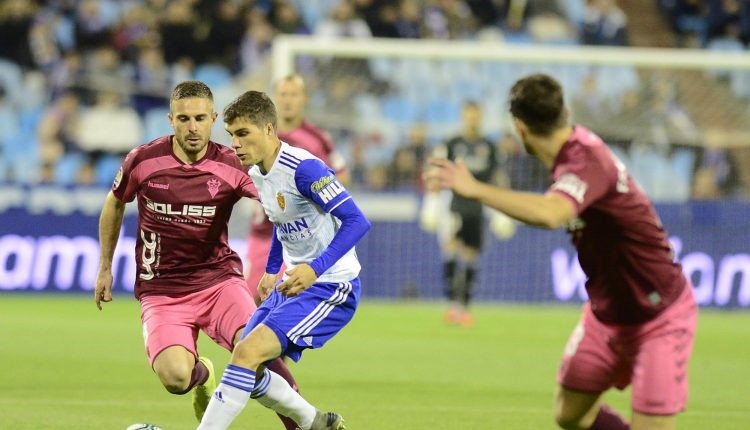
316	225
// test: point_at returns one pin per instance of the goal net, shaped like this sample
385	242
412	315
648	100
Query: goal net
676	118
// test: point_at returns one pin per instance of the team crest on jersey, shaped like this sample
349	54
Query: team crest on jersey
213	186
280	200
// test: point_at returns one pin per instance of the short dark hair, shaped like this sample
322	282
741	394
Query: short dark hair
189	89
471	104
537	100
256	106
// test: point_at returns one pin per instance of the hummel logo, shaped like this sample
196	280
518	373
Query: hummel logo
218	396
158	185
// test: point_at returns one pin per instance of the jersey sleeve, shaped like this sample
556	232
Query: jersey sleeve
275	255
317	182
583	183
125	184
246	187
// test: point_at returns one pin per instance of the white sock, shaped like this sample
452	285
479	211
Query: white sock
275	393
229	399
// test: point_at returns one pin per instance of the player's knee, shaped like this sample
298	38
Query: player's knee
249	354
175	378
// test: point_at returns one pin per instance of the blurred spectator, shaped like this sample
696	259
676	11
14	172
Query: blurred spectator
716	175
485	12
255	46
287	19
92	26
516	13
45	50
408	22
723	19
181	32
448	19
105	71
380	16
152	81
136	30
667	120
227	29
604	24
68	73
16	17
405	170
107	128
687	20
58	132
343	22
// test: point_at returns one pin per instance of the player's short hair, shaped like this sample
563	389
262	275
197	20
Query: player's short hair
537	100
471	104
255	106
291	78
191	89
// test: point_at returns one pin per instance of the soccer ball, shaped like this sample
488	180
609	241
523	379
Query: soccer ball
143	427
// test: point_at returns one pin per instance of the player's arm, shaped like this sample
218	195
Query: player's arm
110	222
317	182
273	265
550	210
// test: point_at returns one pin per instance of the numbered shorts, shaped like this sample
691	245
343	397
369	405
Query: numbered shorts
310	319
653	357
220	311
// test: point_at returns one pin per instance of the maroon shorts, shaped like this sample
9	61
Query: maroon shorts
220	311
653	357
258	248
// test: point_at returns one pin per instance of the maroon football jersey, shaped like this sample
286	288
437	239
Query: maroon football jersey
183	211
621	244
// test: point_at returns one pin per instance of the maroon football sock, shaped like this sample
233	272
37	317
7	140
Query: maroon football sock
198	377
608	419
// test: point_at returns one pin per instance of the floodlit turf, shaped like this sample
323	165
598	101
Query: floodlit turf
65	365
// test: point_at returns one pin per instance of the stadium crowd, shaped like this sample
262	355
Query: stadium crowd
83	81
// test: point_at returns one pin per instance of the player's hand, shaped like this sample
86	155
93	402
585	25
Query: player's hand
299	279
266	284
103	288
455	176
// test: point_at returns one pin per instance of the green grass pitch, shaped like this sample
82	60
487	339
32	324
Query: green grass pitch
65	365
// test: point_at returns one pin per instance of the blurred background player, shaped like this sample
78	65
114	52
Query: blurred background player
290	97
316	227
188	278
639	323
461	234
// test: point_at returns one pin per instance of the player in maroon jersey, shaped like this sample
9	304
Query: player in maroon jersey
290	99
639	323
188	279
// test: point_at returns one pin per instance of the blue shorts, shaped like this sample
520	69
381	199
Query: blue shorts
310	319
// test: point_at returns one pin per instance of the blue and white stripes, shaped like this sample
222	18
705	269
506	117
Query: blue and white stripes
261	388
289	160
239	377
320	312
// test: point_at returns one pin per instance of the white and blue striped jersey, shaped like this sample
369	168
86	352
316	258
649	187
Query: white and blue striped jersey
298	193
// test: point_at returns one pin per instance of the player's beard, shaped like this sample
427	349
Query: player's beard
191	148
